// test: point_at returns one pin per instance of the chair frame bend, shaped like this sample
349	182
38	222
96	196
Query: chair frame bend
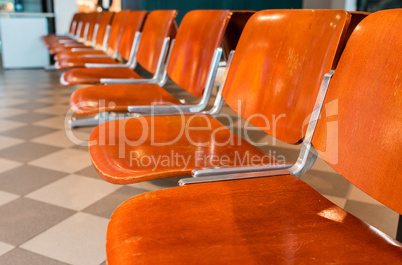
304	162
131	63
135	111
158	78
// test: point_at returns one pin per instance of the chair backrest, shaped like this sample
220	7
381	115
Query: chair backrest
116	29
74	23
82	24
133	24
104	21
234	29
365	94
93	21
157	27
78	26
280	60
199	34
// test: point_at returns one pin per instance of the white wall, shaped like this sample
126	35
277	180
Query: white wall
64	11
349	5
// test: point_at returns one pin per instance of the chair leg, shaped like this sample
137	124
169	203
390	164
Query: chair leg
399	230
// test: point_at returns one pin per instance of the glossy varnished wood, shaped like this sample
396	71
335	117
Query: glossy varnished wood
276	220
118	98
133	24
118	170
157	27
188	142
282	78
115	31
195	44
92	19
93	75
360	136
199	34
79	62
104	21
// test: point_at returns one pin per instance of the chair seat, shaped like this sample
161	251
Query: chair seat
69	47
94	75
79	62
69	54
85	101
140	149
275	220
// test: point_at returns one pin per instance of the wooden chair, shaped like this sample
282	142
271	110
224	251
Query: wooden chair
70	35
126	49
276	71
192	65
109	48
76	28
86	35
150	55
280	219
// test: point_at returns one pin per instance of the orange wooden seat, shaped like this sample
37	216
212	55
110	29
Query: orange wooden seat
71	33
154	40
76	28
133	24
119	19
86	35
280	219
276	71
193	62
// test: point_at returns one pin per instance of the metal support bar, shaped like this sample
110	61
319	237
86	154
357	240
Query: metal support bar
306	158
186	108
132	62
153	80
97	119
263	174
106	38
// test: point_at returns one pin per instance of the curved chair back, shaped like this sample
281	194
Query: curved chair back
133	24
74	23
199	34
104	21
90	26
278	66
365	95
116	28
157	27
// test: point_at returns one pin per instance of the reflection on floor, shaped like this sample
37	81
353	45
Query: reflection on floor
54	208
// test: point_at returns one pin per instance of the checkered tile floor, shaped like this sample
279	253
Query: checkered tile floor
54	209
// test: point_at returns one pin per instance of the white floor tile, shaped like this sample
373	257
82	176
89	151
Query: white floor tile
54	123
357	195
6	125
9	141
6	197
74	192
4	248
58	139
56	109
54	99
77	240
8	112
11	102
68	160
336	200
6	164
